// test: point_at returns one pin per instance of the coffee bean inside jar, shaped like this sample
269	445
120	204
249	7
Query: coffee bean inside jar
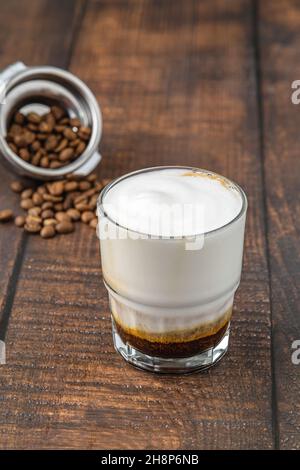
49	140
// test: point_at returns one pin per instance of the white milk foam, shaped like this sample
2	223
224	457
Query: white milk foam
173	202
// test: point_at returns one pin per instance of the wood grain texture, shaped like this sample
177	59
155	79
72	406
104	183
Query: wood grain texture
279	49
176	81
35	33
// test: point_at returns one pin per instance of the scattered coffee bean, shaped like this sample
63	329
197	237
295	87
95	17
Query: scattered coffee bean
47	222
20	221
47	205
87	216
32	228
37	199
33	219
26	193
48	231
47	214
16	186
71	186
6	215
57	188
56	205
93	223
36	211
62	217
74	214
64	227
26	204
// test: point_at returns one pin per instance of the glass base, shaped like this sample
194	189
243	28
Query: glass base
184	365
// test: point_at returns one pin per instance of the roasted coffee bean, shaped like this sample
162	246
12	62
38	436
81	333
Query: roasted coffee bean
29	137
66	154
26	204
49	197
52	157
64	227
64	121
15	129
57	188
42	136
75	122
33	219
74	143
93	202
87	216
47	214
44	162
80	148
36	211
41	190
82	207
62	145
16	186
55	164
24	154
62	217
59	128
92	177
20	140
93	223
44	127
48	231
104	182
6	215
71	186
19	118
58	207
37	199
74	214
68	202
47	222
36	145
32	127
69	134
36	158
20	221
13	147
47	205
51	143
84	133
50	120
27	193
32	228
57	112
84	185
34	118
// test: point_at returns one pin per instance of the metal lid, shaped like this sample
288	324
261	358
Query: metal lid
34	89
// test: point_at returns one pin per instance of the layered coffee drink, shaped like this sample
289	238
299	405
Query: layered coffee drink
171	248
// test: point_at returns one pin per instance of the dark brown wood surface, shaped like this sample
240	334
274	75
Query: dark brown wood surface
198	83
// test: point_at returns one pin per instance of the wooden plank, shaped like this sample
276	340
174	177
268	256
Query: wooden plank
34	33
177	86
279	67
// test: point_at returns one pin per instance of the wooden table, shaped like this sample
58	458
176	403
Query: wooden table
202	83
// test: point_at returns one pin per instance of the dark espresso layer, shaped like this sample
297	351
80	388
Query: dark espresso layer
172	349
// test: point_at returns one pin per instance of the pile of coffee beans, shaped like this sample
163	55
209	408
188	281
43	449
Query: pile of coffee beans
51	140
54	207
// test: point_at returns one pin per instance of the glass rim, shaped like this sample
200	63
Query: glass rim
105	190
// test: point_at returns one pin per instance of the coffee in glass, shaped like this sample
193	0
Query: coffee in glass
171	243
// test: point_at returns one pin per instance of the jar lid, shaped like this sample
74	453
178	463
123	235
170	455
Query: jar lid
34	88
